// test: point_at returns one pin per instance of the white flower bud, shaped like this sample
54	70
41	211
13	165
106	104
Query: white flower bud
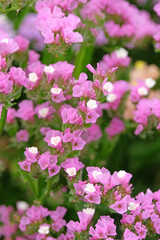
33	150
55	140
132	206
89	188
150	82
96	173
33	77
43	112
49	69
56	90
142	91
111	97
71	171
43	230
121	173
89	211
92	104
121	53
108	86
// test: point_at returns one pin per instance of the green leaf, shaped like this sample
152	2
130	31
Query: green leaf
3	118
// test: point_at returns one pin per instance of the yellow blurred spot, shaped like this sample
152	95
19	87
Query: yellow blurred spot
140	65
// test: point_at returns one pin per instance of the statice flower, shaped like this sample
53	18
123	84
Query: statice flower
72	166
116	127
44	111
26	110
93	133
7	228
118	58
56	27
28	30
22	136
104	229
6	85
85	218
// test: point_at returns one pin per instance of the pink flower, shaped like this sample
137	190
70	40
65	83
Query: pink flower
116	127
25	165
54	139
105	227
44	111
31	154
22	136
120	206
47	160
17	75
6	86
26	110
72	166
22	42
93	133
57	217
57	94
128	235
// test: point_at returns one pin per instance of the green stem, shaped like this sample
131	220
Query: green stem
47	190
8	10
83	57
33	185
3	118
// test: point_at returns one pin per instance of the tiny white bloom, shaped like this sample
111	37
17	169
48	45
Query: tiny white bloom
71	171
33	77
43	112
92	104
142	91
89	188
121	53
121	173
132	206
150	82
5	40
96	173
33	150
89	211
43	230
56	90
108	86
22	205
49	69
111	97
55	140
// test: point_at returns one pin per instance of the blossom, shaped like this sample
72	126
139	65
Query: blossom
22	136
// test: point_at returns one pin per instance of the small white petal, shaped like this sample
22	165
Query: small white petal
56	90
142	91
89	211
111	97
22	205
121	53
150	82
55	140
71	171
121	173
108	86
43	112
33	150
95	174
92	104
89	188
43	230
132	206
33	77
49	69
